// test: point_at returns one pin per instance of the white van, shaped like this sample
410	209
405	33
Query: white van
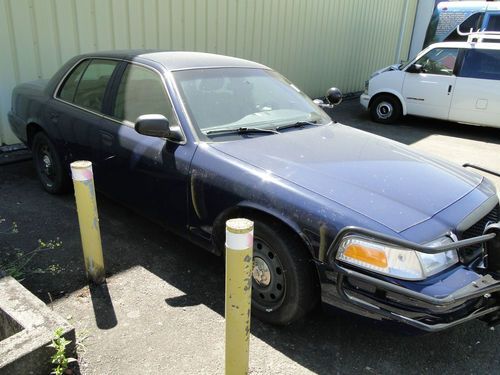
455	81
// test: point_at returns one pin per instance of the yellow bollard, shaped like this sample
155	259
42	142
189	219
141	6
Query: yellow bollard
83	181
239	263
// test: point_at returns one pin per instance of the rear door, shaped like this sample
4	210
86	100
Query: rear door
476	99
429	93
78	108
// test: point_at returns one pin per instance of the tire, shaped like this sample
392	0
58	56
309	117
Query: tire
49	167
284	281
386	109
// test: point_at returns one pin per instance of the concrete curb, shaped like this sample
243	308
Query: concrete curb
27	326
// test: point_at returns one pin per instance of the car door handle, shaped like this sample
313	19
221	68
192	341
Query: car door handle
449	89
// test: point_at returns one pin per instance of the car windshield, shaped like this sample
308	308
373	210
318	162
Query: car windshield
235	98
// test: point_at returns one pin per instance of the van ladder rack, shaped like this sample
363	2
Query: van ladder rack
479	35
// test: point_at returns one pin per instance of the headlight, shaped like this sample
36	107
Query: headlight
395	261
367	83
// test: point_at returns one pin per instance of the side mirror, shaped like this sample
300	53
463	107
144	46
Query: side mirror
157	126
334	96
414	68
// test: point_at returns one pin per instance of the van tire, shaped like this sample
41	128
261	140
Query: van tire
386	109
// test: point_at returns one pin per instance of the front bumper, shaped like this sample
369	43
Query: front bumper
364	100
476	293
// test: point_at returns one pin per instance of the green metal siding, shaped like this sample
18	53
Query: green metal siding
315	43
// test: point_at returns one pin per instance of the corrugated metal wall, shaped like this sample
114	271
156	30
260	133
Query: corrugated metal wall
315	43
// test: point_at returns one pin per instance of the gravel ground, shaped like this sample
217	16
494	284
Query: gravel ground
161	309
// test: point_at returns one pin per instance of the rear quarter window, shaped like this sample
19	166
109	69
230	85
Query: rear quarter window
92	86
481	63
68	88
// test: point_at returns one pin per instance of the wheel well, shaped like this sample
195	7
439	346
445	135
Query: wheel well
384	94
31	129
253	214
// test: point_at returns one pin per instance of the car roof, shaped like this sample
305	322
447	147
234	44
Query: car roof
179	60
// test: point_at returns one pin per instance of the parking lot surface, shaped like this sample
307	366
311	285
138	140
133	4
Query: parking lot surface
161	310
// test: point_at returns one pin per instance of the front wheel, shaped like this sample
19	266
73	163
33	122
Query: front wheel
386	109
284	286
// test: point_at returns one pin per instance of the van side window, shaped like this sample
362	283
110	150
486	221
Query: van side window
439	61
493	23
481	63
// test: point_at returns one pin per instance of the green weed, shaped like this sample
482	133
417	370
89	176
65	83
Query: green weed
59	360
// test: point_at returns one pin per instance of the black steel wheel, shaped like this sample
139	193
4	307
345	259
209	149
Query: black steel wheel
49	168
284	285
386	109
269	283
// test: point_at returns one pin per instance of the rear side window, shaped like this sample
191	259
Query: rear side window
439	61
68	89
92	86
141	92
484	64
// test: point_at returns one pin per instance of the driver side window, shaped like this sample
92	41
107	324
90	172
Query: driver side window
141	92
439	61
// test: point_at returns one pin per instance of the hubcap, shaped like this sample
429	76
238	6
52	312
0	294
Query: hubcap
384	110
269	284
45	165
261	273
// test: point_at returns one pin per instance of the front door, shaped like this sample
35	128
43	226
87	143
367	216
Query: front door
429	92
150	174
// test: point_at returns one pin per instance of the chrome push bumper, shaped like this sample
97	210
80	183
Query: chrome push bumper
385	298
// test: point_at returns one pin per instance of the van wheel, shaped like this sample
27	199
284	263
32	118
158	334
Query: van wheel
386	109
284	287
49	167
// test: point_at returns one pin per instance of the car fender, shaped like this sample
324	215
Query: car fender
269	212
396	93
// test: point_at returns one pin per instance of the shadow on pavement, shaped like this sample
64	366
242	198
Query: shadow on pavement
328	341
102	303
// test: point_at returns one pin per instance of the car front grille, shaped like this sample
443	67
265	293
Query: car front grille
470	252
478	228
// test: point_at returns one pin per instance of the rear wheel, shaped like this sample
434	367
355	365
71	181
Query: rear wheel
386	109
284	284
49	167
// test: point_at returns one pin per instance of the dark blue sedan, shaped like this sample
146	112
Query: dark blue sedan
191	140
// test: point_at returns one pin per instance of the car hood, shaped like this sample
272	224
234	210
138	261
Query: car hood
387	68
381	179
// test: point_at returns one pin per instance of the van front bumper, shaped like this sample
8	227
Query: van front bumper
442	301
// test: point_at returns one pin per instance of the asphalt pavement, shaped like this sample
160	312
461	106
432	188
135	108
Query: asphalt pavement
161	310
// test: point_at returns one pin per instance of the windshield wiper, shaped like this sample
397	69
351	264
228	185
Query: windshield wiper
298	124
242	130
